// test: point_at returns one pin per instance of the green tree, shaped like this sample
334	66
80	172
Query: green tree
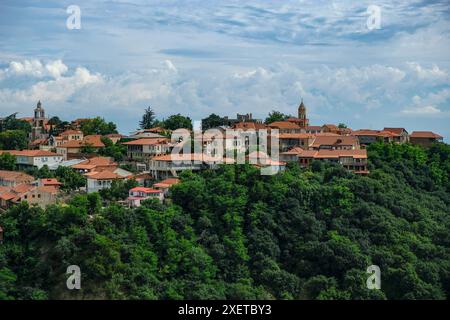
177	121
7	161
212	121
275	116
13	140
148	119
98	126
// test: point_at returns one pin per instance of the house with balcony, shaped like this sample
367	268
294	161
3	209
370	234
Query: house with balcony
146	148
139	194
353	160
170	165
334	142
425	138
34	158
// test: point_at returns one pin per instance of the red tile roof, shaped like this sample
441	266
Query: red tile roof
103	175
145	190
335	141
31	153
15	176
70	131
398	131
249	126
166	183
295	135
425	134
283	125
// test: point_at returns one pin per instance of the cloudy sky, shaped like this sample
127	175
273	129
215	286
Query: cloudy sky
201	57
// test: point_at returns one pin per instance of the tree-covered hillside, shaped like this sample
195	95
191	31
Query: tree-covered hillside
234	234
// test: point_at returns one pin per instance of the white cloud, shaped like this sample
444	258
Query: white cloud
425	110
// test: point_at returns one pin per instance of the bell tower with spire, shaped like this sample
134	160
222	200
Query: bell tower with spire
303	120
39	120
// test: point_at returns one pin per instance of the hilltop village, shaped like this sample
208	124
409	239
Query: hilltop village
45	160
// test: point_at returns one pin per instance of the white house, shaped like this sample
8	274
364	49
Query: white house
37	158
97	181
138	194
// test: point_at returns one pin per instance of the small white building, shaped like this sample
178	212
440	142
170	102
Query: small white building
97	181
138	194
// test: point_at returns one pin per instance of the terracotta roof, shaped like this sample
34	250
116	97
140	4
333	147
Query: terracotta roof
70	131
103	175
295	150
92	140
327	154
31	153
377	133
50	182
314	128
249	126
15	175
283	125
331	126
38	142
334	141
425	134
22	188
8	196
145	190
47	189
166	183
114	135
147	141
96	161
329	134
398	131
295	136
355	153
156	129
140	176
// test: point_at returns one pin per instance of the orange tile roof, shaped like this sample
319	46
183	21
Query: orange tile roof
70	131
22	188
147	141
31	153
295	136
295	150
166	183
249	125
334	141
398	131
47	189
355	153
377	133
15	175
145	190
94	140
8	196
425	134
50	182
103	175
283	125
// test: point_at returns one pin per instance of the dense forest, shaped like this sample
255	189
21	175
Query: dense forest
234	234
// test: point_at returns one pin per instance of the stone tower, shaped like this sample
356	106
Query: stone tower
303	120
38	130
